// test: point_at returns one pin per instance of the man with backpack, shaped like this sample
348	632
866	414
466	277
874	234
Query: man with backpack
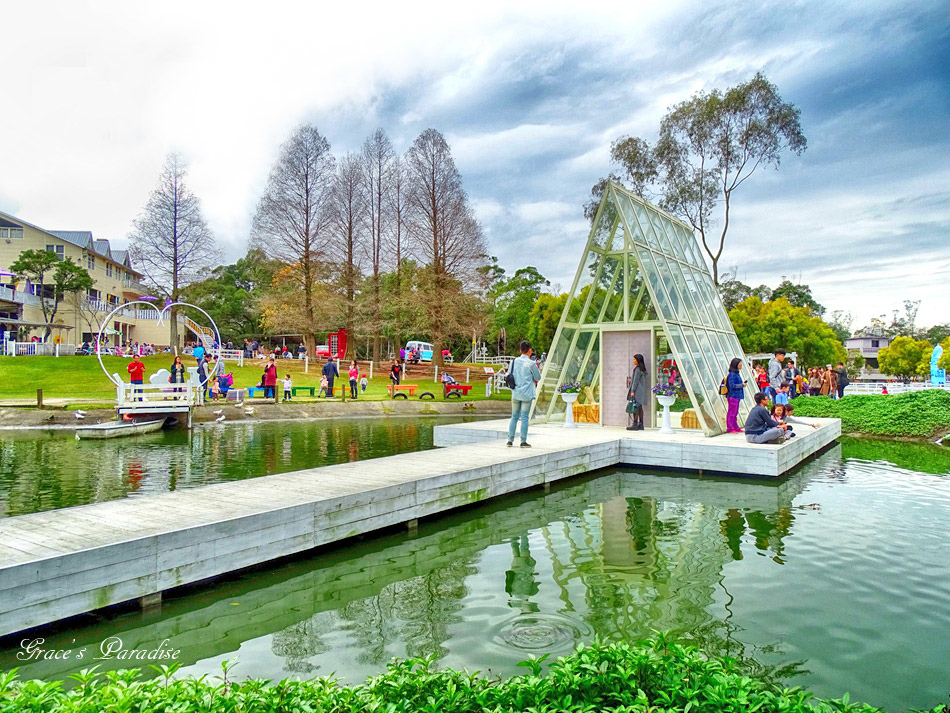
522	376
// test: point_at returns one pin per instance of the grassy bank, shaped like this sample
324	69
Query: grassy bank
80	377
917	414
653	676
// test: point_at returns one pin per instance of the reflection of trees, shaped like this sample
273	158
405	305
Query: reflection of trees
298	643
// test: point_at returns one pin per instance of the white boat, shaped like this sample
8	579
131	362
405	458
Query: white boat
117	429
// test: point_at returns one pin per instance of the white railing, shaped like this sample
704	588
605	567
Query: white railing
236	355
39	349
187	394
894	387
20	297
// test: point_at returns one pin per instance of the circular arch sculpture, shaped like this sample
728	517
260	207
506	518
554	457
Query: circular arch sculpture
161	317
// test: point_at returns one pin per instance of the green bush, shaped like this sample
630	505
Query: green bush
657	675
916	413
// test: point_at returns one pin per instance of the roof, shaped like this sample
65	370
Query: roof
82	239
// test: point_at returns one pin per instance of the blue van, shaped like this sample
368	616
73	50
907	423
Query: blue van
424	349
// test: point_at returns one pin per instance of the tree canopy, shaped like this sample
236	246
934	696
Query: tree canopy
766	326
905	357
67	278
708	146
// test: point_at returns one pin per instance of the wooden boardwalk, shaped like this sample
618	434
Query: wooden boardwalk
65	562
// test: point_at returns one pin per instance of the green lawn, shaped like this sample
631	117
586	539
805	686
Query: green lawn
80	377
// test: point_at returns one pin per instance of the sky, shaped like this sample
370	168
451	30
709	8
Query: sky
529	95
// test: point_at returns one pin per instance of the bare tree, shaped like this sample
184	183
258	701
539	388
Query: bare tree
397	204
378	159
444	232
294	215
349	204
170	240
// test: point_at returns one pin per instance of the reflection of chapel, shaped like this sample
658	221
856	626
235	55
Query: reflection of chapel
641	287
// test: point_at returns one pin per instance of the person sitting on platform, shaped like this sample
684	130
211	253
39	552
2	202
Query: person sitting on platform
760	427
783	414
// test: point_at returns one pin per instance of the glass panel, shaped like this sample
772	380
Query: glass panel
688	239
690	378
614	309
619	241
645	226
588	273
553	368
605	224
709	369
661	234
679	251
589	373
600	289
716	317
671	279
697	295
653	277
626	206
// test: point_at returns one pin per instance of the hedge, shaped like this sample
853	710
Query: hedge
651	677
915	413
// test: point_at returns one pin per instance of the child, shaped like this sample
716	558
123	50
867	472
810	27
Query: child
324	386
287	385
215	390
363	383
782	396
761	378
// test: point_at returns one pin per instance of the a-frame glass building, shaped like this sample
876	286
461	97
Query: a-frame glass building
642	286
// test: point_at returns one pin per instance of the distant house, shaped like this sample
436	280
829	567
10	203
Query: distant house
869	345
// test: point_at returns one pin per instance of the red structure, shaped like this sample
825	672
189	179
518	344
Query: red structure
337	343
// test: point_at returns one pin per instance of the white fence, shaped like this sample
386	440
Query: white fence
168	394
893	387
12	348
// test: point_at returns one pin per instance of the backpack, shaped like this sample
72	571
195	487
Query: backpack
723	389
510	376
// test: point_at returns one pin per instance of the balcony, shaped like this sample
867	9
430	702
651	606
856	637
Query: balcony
20	297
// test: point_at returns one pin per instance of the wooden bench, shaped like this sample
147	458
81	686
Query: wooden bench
311	389
455	391
398	390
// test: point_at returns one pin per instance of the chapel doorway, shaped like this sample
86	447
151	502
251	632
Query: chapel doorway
618	350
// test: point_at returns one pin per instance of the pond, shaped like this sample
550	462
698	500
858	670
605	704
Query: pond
834	578
46	470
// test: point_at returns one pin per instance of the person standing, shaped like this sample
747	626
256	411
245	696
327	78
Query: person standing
637	392
395	371
842	379
198	353
736	392
827	387
354	377
526	375
776	377
331	372
177	375
136	371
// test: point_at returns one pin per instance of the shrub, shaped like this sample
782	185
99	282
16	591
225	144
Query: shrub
656	675
916	413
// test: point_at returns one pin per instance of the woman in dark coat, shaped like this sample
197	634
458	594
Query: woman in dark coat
270	380
177	373
637	392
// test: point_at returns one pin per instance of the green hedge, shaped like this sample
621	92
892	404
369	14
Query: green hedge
917	413
654	676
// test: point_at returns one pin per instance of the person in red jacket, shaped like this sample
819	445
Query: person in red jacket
136	371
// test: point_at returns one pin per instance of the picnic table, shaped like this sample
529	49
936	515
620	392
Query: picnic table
455	391
311	389
400	389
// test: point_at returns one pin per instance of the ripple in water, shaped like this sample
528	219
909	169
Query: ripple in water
542	632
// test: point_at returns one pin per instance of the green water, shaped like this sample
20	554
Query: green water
47	470
835	578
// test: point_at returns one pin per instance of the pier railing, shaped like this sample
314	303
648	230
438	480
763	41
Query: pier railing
187	394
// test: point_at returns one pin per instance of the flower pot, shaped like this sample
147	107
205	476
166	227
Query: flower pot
666	402
569	399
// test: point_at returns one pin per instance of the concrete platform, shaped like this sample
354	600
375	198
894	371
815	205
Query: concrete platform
66	562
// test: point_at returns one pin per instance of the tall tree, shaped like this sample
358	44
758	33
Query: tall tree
798	296
67	278
709	146
349	204
840	323
904	357
514	298
398	246
543	320
445	234
170	239
294	216
378	160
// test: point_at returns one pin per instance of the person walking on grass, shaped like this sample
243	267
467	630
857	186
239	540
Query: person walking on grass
736	392
354	376
526	375
331	372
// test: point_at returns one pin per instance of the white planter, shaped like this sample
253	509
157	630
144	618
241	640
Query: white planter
666	402
569	399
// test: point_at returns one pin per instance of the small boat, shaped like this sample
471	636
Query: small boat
117	429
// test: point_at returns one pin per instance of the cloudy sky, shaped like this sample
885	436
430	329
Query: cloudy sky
530	96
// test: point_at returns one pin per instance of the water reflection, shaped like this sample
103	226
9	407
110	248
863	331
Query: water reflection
49	470
786	576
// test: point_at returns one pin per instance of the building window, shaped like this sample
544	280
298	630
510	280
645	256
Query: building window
113	300
11	233
94	295
90	262
875	343
58	249
108	270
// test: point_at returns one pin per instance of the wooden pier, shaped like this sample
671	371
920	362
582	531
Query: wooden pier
66	562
